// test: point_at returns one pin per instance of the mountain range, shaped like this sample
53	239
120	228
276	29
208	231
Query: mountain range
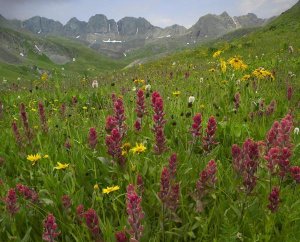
118	38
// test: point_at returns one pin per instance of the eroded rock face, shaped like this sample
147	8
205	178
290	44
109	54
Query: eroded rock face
43	25
74	27
98	24
133	26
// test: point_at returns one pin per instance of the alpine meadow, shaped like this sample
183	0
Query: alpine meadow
131	132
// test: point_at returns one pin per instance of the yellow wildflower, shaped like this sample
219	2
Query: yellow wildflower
139	148
261	73
96	187
126	146
237	64
246	77
61	166
34	158
44	76
223	66
110	189
176	93
46	156
217	53
84	108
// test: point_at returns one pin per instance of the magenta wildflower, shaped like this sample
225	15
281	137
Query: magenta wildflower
114	144
121	236
289	93
138	124
110	124
27	193
209	139
43	117
80	213
135	213
173	165
140	104
120	116
245	163
50	229
207	179
279	146
159	123
237	100
140	109
271	108
169	188
93	138
164	185
11	202
66	201
295	173
23	114
92	222
196	126
16	133
274	199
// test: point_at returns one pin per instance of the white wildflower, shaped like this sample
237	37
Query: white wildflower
296	131
148	87
191	99
95	84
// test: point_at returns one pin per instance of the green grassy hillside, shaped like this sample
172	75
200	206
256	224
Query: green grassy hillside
97	164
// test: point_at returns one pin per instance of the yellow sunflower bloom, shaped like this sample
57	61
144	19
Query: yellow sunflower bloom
110	189
34	158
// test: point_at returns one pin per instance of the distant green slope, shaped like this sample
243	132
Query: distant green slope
14	43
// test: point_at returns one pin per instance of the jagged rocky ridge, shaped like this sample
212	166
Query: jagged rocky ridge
118	38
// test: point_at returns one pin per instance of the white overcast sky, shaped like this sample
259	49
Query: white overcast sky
158	12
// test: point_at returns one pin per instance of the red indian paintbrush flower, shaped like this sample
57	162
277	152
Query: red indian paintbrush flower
66	201
279	146
114	146
245	163
274	199
209	139
120	116
93	138
295	173
207	179
196	126
11	202
237	100
23	114
121	236
169	188
110	123
92	222
140	104
289	93
27	193
43	117
140	109
50	229
159	123
16	133
80	213
135	213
